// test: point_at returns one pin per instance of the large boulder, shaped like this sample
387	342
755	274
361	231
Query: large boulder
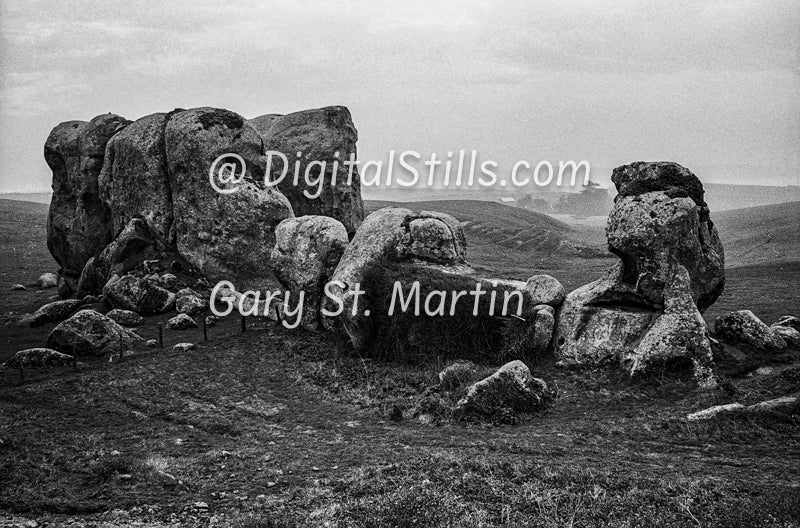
230	236
324	135
138	295
511	389
646	310
744	328
188	301
90	333
78	225
306	252
134	182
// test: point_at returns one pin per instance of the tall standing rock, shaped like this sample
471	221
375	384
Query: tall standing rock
646	310
134	181
227	236
319	135
77	225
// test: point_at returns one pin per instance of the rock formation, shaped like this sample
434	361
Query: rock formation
647	308
111	176
318	135
77	225
744	328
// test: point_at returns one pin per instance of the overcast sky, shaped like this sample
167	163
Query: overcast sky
714	85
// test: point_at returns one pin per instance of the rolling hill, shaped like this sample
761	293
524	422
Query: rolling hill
766	234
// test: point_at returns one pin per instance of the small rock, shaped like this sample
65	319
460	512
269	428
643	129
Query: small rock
187	301
777	404
47	280
764	371
512	388
711	412
201	505
168	281
151	343
18	287
125	317
789	321
181	322
211	320
788	334
743	327
184	347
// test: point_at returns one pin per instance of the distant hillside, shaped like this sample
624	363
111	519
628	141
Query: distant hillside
43	197
760	235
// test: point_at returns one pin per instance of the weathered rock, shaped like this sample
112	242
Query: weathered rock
543	326
168	281
744	328
134	181
307	251
131	247
788	321
716	410
376	239
78	226
36	358
151	343
456	374
18	287
90	333
51	312
188	301
545	290
432	236
789	335
181	322
47	280
646	310
775	405
319	134
512	388
125	317
184	347
226	237
138	295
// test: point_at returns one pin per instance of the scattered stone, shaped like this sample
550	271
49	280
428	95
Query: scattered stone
181	322
47	280
138	295
744	328
788	334
456	374
36	358
714	411
151	343
90	333
53	312
188	301
184	347
543	325
18	287
211	320
775	405
307	251
125	317
647	309
512	388
168	281
788	321
764	371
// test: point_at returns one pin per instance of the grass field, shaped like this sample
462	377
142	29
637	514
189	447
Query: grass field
278	428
